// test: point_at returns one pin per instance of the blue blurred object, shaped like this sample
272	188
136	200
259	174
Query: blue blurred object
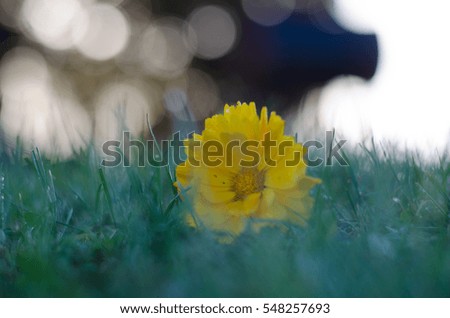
275	65
280	63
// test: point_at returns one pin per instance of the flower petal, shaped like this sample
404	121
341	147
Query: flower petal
245	207
216	195
276	125
216	218
281	177
284	184
183	173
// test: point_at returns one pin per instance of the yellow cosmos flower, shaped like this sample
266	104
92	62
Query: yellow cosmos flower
243	167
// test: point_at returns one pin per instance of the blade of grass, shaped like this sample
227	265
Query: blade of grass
158	148
107	194
39	166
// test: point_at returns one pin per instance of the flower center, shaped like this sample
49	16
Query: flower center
248	181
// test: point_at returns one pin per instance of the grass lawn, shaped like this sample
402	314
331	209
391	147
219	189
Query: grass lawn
379	228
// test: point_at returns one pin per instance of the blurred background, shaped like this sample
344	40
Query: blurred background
73	71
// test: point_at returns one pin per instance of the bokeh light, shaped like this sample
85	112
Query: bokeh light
51	22
123	106
128	61
269	12
102	32
358	16
193	97
39	108
214	31
406	102
23	72
9	10
164	52
87	58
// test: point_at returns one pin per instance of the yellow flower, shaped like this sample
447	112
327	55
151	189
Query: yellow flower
243	167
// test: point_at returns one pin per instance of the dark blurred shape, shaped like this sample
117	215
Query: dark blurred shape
190	56
3	35
6	37
6	40
277	64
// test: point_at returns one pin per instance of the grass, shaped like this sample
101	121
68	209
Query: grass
380	228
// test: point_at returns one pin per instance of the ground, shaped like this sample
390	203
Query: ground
379	227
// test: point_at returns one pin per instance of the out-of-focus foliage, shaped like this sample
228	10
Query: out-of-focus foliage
379	228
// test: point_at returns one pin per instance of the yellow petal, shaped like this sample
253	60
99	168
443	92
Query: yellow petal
244	207
251	202
297	203
183	173
285	196
216	123
217	178
270	208
276	125
216	195
263	121
305	183
291	206
217	218
281	177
